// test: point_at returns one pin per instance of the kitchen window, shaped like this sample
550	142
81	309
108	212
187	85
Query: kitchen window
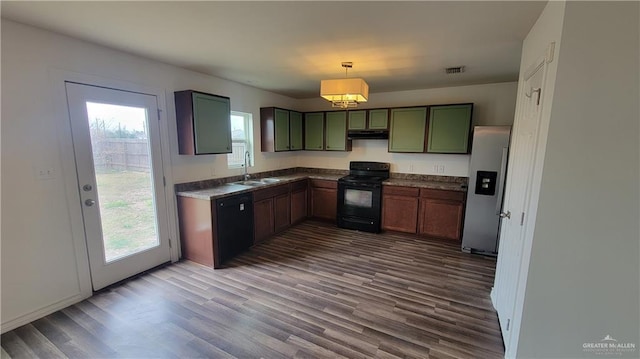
241	139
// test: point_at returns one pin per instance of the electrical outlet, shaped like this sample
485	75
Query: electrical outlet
435	168
411	168
440	168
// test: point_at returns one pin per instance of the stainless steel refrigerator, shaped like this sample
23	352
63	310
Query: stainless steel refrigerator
487	174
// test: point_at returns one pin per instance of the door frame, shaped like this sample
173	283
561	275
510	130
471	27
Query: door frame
58	78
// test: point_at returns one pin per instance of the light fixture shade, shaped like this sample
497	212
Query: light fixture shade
344	92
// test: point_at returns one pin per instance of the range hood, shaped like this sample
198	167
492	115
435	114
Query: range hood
368	134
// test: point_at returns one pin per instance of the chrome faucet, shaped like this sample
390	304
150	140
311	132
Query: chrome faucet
247	160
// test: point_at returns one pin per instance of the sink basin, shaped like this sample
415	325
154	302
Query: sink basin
256	182
250	183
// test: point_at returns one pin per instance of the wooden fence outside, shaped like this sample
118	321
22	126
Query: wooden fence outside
122	154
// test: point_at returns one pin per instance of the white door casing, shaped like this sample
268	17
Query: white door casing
105	272
518	215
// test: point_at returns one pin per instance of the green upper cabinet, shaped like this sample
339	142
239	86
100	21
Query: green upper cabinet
379	119
314	131
336	131
281	130
295	131
357	120
449	128
204	123
407	132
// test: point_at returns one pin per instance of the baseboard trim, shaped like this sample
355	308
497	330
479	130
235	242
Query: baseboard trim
42	312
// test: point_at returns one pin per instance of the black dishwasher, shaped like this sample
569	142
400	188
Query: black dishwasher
235	225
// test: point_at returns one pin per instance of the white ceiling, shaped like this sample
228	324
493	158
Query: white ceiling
288	47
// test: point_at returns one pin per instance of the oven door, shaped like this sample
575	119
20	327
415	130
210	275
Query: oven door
359	202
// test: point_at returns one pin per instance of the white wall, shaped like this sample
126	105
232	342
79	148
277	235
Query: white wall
40	269
584	271
494	104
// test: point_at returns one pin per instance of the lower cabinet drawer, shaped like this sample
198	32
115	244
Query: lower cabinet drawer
318	183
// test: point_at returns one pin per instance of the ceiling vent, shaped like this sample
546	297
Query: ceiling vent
454	70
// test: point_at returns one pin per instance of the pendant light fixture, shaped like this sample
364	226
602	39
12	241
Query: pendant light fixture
346	92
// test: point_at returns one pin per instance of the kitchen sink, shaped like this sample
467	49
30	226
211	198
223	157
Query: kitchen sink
270	180
256	182
250	183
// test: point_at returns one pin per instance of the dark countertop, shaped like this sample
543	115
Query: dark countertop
229	189
449	186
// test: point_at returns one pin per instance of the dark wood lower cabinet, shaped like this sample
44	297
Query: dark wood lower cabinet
324	199
400	213
298	201
271	211
263	219
197	220
429	212
441	213
282	212
441	218
400	209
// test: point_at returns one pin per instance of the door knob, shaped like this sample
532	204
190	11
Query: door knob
89	202
505	215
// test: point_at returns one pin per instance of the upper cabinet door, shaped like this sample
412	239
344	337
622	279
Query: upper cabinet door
295	131
314	131
357	120
336	131
282	129
204	123
449	128
379	119
212	123
408	126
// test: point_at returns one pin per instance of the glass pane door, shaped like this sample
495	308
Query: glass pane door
121	159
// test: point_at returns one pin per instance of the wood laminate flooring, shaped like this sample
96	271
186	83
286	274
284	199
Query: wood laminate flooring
314	291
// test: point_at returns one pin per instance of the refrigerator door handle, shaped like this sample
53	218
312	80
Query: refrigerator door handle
501	184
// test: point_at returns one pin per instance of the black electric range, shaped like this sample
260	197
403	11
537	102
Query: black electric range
360	196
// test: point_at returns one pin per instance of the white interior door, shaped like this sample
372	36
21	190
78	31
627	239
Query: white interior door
517	196
116	140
